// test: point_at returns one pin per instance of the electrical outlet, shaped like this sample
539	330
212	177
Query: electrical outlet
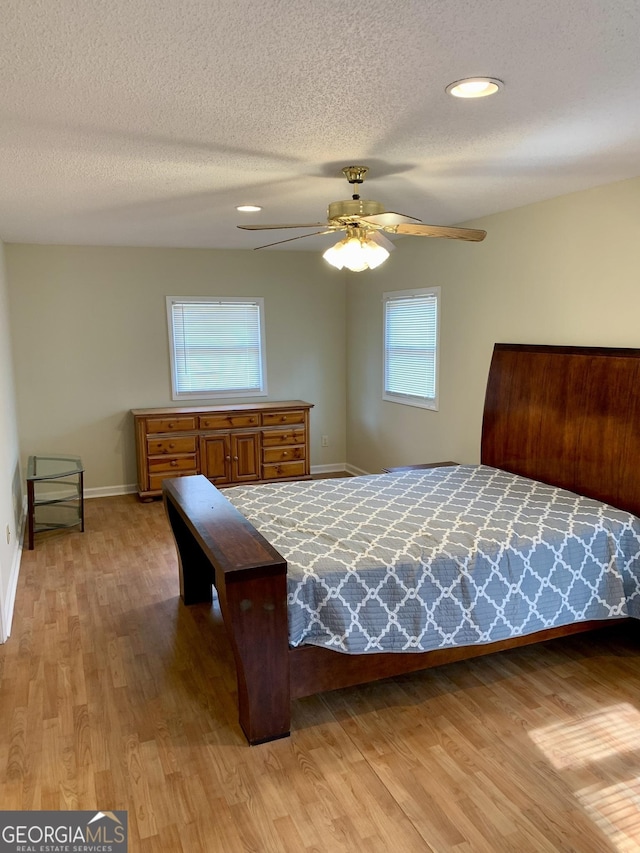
325	441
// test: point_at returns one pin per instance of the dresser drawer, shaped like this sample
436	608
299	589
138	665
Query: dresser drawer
229	421
278	437
155	482
274	418
283	454
283	469
187	462
180	424
157	446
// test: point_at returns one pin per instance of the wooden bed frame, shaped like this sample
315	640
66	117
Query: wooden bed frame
568	416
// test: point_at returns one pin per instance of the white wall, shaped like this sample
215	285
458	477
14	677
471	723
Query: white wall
90	343
10	475
565	271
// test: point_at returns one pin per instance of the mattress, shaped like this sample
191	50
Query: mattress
431	559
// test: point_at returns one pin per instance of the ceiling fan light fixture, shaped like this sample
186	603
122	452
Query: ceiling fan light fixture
356	254
376	254
248	208
474	87
333	256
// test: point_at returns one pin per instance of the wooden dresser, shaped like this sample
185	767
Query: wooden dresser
245	443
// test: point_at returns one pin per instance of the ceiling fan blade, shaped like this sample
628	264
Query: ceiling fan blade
300	237
451	232
388	218
379	238
267	227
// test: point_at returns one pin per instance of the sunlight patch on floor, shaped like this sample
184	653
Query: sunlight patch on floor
615	810
605	748
586	740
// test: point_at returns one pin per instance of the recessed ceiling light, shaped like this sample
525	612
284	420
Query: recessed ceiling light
248	208
474	87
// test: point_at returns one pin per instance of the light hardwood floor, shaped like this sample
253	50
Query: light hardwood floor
115	696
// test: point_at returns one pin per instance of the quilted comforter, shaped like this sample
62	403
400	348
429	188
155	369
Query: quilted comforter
423	560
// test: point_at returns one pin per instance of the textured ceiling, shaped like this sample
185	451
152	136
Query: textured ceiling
145	123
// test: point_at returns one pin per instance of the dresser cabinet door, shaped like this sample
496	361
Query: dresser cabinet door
245	456
215	458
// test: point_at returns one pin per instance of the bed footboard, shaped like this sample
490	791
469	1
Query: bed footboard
217	546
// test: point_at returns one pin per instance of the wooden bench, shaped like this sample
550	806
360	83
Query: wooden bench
218	547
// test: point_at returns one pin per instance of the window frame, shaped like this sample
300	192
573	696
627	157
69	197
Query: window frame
418	401
176	394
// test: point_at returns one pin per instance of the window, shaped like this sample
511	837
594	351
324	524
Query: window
217	347
411	319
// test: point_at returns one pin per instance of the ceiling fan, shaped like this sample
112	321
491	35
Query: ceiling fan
365	223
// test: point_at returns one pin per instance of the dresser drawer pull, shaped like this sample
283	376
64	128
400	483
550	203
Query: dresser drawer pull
285	453
174	462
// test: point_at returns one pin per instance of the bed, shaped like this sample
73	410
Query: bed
560	441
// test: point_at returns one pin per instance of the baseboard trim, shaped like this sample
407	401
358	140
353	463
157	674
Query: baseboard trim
132	488
110	491
6	614
356	472
333	468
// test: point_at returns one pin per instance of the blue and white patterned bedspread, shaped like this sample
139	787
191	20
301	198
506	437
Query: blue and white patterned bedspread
422	560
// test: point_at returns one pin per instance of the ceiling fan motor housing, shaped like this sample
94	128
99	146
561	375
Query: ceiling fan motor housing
351	210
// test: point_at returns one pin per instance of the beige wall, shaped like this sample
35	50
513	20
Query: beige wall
10	475
89	328
90	342
566	271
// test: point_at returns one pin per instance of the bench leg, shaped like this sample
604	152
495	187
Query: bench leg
255	614
196	571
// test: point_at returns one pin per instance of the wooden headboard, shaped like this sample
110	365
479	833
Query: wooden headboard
568	416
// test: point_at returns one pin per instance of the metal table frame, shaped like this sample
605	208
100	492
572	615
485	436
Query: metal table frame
49	468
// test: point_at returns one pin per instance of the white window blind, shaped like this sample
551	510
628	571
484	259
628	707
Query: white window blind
217	347
411	324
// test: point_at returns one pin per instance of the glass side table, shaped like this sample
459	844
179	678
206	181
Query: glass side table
55	494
